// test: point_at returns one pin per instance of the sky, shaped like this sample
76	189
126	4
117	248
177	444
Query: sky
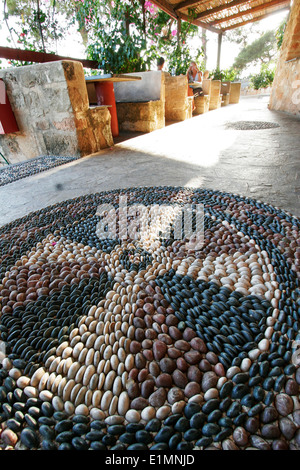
72	46
230	50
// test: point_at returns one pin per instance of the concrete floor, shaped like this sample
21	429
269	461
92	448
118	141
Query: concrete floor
200	152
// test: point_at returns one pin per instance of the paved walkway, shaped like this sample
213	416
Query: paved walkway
200	152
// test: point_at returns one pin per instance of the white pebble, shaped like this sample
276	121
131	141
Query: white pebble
148	413
132	416
254	353
264	344
46	395
57	403
211	393
23	381
163	412
232	371
82	410
95	413
246	364
69	408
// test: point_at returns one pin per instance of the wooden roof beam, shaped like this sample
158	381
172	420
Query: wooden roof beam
40	57
257	18
250	11
235	3
187	3
165	6
200	23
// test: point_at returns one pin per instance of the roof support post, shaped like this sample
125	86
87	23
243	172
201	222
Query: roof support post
220	36
179	32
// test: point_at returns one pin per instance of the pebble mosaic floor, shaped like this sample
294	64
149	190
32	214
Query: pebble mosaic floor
148	344
17	171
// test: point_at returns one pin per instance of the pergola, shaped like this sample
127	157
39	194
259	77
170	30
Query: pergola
217	16
220	16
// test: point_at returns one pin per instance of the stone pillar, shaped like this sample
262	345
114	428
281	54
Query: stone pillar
285	94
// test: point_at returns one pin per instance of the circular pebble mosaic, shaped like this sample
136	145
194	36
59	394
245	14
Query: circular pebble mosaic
17	171
149	343
251	125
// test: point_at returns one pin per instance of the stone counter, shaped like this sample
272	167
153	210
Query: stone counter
51	106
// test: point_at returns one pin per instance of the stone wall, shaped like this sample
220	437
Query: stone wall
137	116
177	104
285	94
51	106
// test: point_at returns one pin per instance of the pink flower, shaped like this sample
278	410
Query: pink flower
174	32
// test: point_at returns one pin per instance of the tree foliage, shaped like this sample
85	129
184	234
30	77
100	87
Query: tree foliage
261	50
264	78
122	35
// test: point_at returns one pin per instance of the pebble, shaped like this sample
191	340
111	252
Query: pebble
284	404
131	332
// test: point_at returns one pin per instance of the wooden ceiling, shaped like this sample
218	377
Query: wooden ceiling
221	15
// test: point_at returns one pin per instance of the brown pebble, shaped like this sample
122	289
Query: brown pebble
159	318
164	380
140	334
209	380
194	374
219	370
175	394
284	404
179	378
240	436
140	361
291	387
212	357
133	373
143	375
269	414
135	347
188	334
192	357
171	320
139	403
259	443
158	397
147	388
154	369
148	354
133	390
182	364
159	349
288	428
204	365
147	344
182	345
296	417
174	353
270	431
252	424
9	437
198	344
149	308
191	389
167	365
150	333
165	338
280	444
148	321
175	333
228	444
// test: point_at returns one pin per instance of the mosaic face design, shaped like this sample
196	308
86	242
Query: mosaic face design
147	343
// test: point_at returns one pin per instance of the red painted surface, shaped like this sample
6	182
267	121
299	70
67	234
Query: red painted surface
106	95
8	123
